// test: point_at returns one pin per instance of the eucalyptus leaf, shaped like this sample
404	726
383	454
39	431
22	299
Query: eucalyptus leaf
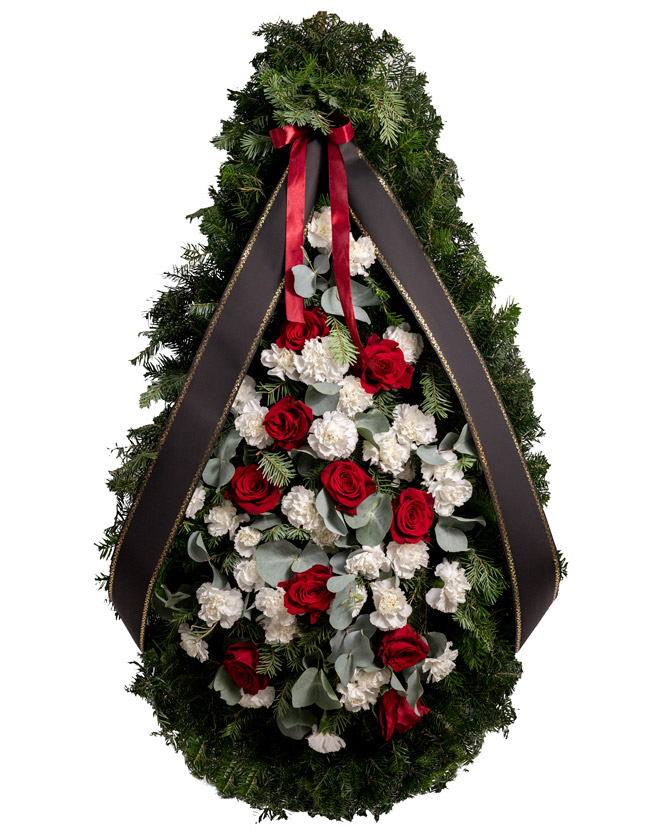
196	548
448	441
274	561
450	539
430	454
321	263
396	684
338	584
217	473
296	723
363	624
437	644
311	555
314	688
363	295
322	285
341	609
305	462
373	519
465	523
304	280
265	521
345	667
219	581
226	449
357	643
370	423
331	516
326	388
338	562
330	702
464	443
320	402
226	687
414	690
330	303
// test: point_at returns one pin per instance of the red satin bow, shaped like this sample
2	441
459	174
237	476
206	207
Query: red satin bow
295	218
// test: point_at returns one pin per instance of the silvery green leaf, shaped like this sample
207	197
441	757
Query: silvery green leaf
326	388
226	449
329	700
341	609
363	295
448	441
373	519
362	624
337	645
429	454
265	521
321	263
437	644
321	284
311	555
338	584
304	280
370	423
219	581
330	303
217	473
226	687
320	402
464	443
465	523
396	684
274	561
450	539
358	644
338	561
196	548
296	723
304	691
345	667
331	516
414	689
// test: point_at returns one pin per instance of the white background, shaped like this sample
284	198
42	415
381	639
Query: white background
552	113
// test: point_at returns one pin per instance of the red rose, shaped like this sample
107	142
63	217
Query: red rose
402	648
348	485
288	421
240	662
412	516
251	491
395	713
307	592
294	335
389	370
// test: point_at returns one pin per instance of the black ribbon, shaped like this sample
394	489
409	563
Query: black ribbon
224	356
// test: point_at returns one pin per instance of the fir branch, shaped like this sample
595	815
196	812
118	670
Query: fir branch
276	467
341	346
276	388
433	383
284	532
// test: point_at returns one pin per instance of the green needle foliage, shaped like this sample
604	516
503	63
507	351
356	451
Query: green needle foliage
306	73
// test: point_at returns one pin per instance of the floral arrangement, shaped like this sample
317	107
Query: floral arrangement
327	502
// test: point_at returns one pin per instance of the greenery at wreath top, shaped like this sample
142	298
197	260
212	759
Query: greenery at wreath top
307	72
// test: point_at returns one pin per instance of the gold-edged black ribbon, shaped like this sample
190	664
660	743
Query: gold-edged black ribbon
228	347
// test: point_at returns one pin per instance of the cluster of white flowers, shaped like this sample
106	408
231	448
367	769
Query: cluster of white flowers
315	363
455	587
250	424
319	235
409	342
263	698
223	519
362	691
245	541
280	362
246	393
406	558
353	398
278	624
247	576
193	644
446	483
299	507
223	606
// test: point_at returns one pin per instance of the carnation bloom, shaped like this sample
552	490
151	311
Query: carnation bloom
409	342
196	502
368	562
413	426
406	558
245	540
319	230
223	606
353	398
223	519
193	644
246	575
280	362
392	610
325	742
363	689
316	363
390	453
250	425
361	254
455	587
437	668
263	698
333	436
246	393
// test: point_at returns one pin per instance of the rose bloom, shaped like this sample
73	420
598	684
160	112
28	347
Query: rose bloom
389	370
307	592
287	422
396	714
293	335
251	491
412	516
402	648
347	484
240	662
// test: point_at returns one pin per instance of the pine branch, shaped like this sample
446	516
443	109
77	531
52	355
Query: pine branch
341	346
276	467
433	383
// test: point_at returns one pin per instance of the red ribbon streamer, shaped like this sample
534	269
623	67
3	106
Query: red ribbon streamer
339	212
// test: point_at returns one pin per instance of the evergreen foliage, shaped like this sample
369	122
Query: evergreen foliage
307	72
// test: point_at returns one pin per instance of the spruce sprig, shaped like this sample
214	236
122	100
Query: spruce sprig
276	467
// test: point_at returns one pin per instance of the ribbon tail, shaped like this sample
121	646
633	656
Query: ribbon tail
530	551
295	227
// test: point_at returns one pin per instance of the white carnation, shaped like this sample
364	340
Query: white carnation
316	364
455	587
413	426
358	596
193	644
223	519
353	398
449	495
361	254
333	436
325	742
392	610
250	425
320	535
246	575
263	698
439	667
299	507
245	541
271	603
406	558
391	455
446	470
196	502
362	691
409	342
246	393
223	606
319	230
281	362
280	631
368	562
